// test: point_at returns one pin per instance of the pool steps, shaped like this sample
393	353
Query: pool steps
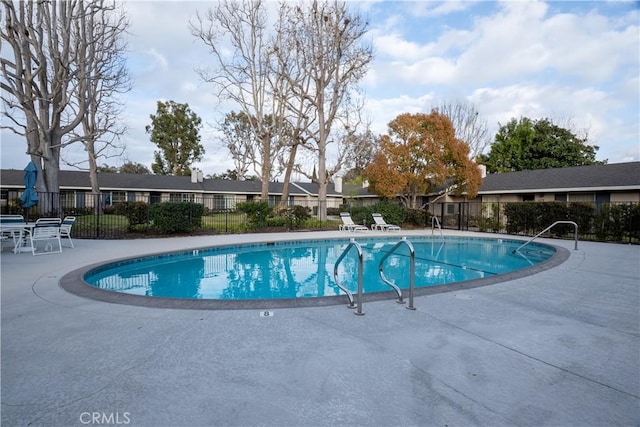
356	245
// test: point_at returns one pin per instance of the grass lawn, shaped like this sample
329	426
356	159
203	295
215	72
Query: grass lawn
117	226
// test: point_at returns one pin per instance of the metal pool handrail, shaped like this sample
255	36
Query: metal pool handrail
352	244
437	221
575	235
411	272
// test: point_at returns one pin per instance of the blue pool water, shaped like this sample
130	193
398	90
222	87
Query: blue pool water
304	269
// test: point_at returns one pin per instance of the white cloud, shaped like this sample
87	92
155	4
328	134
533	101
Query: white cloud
439	8
523	59
159	59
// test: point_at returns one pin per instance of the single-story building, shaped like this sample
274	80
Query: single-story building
75	190
607	183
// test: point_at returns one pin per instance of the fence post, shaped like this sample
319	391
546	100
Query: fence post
226	215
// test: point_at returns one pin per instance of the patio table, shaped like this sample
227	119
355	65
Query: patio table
21	228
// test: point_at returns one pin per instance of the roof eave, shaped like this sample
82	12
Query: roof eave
562	190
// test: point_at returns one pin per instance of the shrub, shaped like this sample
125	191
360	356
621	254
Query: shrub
257	212
417	217
137	213
334	211
276	221
176	217
521	217
391	213
582	214
296	215
550	212
634	221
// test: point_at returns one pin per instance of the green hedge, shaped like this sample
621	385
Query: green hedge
532	217
257	212
616	221
176	217
392	214
137	213
607	221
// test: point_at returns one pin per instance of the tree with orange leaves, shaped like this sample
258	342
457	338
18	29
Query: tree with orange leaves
420	153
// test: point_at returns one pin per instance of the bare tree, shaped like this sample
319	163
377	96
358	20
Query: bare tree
44	68
238	139
328	50
361	151
107	77
298	114
245	75
470	127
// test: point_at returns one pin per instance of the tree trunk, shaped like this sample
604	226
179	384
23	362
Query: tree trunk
322	181
287	176
266	167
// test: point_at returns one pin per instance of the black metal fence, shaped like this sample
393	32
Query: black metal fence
616	222
100	216
120	215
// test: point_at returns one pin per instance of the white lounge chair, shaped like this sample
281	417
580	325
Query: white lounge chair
348	224
381	224
9	232
46	230
65	228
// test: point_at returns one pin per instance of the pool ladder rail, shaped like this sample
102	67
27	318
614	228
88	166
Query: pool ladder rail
434	222
356	245
575	235
412	270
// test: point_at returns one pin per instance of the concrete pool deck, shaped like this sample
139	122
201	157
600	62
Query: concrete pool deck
558	348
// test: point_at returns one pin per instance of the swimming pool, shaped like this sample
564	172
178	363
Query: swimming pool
303	270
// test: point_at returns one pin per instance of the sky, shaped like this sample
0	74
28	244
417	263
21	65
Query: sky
577	63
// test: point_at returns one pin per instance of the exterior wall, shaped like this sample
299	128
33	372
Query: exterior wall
625	197
333	202
545	197
501	198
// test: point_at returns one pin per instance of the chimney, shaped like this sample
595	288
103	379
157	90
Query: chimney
196	176
483	170
337	183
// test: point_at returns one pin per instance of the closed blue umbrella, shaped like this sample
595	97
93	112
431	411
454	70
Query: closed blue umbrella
30	197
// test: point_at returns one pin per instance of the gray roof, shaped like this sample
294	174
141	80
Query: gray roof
79	180
614	176
609	177
357	191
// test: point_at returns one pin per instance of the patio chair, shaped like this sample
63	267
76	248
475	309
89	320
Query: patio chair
9	232
46	230
65	228
381	224
348	224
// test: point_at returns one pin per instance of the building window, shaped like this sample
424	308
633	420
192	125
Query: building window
274	200
110	198
219	202
67	199
118	196
582	197
181	197
528	198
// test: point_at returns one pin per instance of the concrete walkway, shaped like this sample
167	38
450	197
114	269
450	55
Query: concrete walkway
559	348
